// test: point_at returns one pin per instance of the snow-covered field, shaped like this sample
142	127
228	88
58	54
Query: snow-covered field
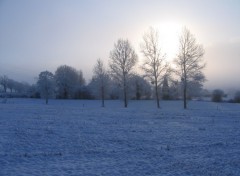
72	137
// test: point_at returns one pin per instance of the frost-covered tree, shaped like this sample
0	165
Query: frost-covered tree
68	81
155	66
189	61
165	89
139	88
17	89
174	89
46	85
11	85
80	90
195	86
21	87
101	79
122	60
4	82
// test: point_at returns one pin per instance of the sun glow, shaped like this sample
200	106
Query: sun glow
169	33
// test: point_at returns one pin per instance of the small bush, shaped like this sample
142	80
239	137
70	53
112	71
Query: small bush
237	97
217	95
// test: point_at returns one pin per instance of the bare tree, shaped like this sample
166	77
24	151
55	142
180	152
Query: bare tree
155	65
189	61
46	84
101	78
122	60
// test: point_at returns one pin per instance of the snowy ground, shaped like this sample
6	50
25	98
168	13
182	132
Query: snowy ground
80	138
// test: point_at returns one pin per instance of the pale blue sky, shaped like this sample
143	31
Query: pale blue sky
37	35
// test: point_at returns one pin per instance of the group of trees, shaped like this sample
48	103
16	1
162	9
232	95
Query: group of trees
17	89
189	64
67	82
120	80
218	95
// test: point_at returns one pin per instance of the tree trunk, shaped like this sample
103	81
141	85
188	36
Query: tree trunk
47	98
157	95
185	96
185	86
125	93
5	88
102	90
65	94
125	89
125	96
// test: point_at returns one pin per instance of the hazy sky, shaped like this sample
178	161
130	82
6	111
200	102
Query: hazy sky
38	35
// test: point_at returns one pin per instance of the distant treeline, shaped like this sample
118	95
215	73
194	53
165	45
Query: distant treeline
182	79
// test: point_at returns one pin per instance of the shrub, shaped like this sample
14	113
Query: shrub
217	95
237	97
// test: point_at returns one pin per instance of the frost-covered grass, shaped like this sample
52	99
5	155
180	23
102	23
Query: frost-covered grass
71	137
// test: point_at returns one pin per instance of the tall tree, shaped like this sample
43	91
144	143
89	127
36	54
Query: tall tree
46	84
155	65
122	60
67	81
101	78
189	61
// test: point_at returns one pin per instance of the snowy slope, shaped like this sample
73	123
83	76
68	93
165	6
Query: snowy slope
70	137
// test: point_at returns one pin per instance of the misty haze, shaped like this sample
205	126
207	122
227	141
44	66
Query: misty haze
119	87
